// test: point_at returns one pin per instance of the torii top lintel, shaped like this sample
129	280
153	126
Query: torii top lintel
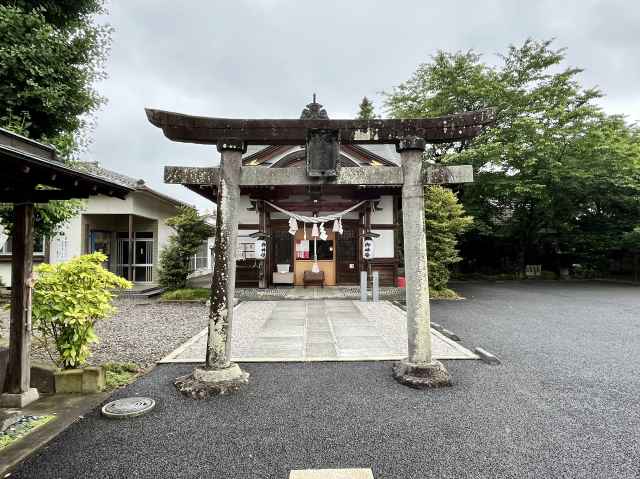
206	130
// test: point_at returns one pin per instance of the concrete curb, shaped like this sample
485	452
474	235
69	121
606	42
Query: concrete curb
450	334
68	408
486	356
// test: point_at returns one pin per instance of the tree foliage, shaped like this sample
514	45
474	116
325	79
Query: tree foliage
555	170
175	259
367	110
51	54
68	299
445	221
48	219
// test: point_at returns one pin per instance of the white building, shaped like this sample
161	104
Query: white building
130	232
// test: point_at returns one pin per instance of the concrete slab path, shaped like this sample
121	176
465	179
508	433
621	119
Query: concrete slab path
317	330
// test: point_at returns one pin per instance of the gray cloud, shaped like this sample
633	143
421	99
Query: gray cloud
264	58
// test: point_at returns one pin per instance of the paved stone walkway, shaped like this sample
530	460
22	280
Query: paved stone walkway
318	330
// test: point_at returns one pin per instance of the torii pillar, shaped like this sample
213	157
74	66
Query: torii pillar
220	375
418	370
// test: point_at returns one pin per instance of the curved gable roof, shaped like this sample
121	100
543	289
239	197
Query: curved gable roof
350	155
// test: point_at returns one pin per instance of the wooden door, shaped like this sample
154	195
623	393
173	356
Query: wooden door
347	271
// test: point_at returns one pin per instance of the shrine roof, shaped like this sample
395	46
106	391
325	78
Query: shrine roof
28	165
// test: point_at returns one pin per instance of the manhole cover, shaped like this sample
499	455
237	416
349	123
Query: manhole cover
128	407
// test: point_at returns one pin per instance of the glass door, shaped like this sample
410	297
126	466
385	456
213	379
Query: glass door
143	258
101	241
142	265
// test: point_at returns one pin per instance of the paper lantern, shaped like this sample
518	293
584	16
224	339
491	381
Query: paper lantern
368	248
260	249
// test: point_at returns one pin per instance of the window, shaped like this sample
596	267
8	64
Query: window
38	246
201	258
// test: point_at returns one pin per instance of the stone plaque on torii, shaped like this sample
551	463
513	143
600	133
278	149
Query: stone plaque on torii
322	137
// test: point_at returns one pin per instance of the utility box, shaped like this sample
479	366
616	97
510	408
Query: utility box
323	147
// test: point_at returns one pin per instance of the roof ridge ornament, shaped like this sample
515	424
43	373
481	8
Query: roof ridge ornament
314	111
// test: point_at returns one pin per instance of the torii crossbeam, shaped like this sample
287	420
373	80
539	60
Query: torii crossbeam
232	136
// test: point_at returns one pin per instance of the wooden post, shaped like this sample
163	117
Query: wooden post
17	383
262	226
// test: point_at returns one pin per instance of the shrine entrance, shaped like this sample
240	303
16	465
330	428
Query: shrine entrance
324	176
310	251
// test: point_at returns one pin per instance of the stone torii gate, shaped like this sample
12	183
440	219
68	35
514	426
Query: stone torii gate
322	137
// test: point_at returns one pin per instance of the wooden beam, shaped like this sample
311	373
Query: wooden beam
207	130
364	175
19	367
24	144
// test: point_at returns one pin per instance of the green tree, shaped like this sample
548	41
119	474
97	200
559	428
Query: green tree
445	220
175	259
555	169
367	110
51	54
68	299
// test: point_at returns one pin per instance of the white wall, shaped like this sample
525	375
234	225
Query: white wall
384	217
247	217
5	273
384	244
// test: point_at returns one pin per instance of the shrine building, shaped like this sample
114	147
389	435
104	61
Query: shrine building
373	209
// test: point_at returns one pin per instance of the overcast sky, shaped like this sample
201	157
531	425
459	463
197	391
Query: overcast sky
264	59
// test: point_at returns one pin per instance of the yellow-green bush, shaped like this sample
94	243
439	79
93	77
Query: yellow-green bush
68	299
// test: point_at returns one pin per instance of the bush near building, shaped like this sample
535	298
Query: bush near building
68	299
191	230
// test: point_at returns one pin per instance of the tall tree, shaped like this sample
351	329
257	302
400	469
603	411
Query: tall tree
553	168
51	53
367	110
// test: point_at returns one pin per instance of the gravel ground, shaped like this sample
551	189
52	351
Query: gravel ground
145	331
141	331
564	403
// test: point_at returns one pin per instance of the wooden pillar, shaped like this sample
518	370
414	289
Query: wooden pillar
131	249
262	227
270	250
419	369
17	382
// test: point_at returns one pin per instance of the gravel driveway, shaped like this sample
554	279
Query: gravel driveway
141	332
